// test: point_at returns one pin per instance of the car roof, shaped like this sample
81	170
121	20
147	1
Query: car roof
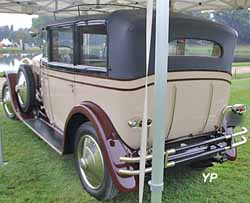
133	15
127	31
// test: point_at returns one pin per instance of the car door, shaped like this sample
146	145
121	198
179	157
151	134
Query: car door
61	73
45	91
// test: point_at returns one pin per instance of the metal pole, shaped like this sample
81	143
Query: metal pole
56	5
160	99
1	145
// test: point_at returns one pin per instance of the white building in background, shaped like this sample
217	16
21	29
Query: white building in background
6	43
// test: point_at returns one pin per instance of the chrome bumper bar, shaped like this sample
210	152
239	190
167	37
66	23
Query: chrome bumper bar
175	156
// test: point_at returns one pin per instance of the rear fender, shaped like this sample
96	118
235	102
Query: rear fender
111	145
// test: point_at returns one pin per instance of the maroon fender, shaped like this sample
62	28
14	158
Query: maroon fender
232	154
12	80
111	145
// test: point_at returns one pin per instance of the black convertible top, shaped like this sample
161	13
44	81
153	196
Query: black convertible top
127	42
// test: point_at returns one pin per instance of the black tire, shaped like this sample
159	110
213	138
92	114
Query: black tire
29	103
7	107
107	190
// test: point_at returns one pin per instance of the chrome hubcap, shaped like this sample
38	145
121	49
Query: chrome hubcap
21	89
90	161
7	102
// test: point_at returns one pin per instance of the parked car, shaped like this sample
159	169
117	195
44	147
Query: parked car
85	96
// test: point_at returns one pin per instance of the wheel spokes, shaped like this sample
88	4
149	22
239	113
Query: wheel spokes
91	162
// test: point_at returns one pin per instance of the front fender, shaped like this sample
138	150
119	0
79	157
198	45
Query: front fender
111	145
26	61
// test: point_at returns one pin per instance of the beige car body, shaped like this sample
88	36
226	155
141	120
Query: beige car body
200	95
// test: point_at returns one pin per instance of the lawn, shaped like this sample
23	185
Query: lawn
241	76
13	50
35	173
241	64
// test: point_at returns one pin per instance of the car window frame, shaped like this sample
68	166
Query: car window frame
200	39
86	68
50	46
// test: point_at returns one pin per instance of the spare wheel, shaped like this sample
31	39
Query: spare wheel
25	89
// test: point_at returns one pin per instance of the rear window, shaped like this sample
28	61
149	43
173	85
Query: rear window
194	47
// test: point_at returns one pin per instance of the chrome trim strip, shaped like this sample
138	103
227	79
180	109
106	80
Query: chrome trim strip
231	107
78	67
147	170
91	22
91	68
64	65
237	144
148	157
226	109
242	132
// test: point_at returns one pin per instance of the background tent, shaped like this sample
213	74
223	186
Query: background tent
48	6
6	43
44	7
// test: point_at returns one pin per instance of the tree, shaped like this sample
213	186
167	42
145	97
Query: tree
4	32
237	19
41	21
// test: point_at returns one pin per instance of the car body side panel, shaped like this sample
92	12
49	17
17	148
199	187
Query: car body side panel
61	96
195	102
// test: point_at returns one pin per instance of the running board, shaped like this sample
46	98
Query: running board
43	129
48	134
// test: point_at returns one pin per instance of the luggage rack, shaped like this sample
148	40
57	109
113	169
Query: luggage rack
174	156
97	7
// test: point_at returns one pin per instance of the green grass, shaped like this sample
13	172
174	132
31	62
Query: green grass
10	49
241	64
14	50
241	76
35	173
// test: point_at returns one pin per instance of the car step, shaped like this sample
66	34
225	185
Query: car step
46	132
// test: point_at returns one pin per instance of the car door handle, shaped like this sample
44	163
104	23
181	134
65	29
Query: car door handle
71	85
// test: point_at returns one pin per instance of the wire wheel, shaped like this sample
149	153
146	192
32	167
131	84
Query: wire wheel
7	103
25	89
90	161
91	165
22	89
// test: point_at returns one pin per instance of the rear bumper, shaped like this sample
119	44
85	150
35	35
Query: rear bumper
211	146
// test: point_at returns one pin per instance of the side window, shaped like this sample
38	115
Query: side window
194	47
62	45
94	46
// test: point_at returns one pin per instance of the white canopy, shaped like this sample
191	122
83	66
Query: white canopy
41	7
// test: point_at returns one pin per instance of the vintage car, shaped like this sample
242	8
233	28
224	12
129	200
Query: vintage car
85	96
